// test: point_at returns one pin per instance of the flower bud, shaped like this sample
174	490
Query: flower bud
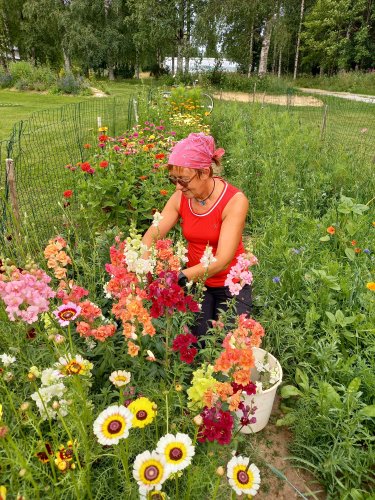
8	377
220	471
3	431
59	339
25	406
31	377
198	420
55	405
22	472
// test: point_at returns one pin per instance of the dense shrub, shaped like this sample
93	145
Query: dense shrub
6	79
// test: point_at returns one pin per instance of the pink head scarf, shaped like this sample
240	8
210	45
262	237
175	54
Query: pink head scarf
195	151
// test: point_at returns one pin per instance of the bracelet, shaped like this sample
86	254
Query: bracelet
182	279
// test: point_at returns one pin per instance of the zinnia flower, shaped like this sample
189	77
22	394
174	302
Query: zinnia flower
243	478
143	411
120	378
177	450
150	470
113	424
66	313
68	193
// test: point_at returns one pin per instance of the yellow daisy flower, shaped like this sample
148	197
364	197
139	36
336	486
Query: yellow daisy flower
371	286
143	411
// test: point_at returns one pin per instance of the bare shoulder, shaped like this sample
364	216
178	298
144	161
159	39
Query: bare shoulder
238	205
174	201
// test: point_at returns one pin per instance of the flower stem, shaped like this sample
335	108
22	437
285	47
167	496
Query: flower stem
216	488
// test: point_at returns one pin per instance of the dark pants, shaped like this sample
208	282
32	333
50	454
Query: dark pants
215	299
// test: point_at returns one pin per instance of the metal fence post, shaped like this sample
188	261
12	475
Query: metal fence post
11	181
324	121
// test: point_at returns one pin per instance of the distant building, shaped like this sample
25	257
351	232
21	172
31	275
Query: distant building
201	64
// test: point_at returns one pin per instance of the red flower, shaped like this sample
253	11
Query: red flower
183	341
187	354
85	166
163	192
160	156
103	164
250	388
217	426
103	138
68	193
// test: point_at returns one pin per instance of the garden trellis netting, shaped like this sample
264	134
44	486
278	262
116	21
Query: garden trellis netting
39	148
42	145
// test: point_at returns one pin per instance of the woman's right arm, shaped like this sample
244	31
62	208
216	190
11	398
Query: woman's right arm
170	216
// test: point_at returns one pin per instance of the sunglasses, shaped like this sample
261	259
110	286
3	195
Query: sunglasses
175	180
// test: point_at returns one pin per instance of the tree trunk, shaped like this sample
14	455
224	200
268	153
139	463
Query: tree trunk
251	44
187	38
265	46
180	51
137	64
279	69
298	40
67	66
111	72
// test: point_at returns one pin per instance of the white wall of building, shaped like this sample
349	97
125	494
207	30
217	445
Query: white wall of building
197	64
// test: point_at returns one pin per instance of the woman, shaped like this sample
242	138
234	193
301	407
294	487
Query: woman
211	212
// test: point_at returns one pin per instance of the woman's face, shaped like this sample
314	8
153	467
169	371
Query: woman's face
186	180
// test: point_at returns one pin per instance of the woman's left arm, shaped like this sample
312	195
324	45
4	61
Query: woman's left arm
233	223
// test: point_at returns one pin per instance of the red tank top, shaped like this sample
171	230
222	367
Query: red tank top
201	230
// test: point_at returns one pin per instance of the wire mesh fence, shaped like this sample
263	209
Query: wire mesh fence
39	148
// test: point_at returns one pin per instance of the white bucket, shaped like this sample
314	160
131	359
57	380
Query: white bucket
263	401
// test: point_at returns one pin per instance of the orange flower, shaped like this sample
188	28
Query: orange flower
331	230
371	286
209	398
143	177
60	272
241	377
223	390
357	250
132	349
234	401
354	243
103	164
163	192
87	146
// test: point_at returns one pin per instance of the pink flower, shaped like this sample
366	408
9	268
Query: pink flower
239	274
66	313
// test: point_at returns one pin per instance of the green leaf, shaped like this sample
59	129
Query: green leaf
368	411
331	317
330	396
349	252
287	420
302	379
354	385
325	238
359	209
289	390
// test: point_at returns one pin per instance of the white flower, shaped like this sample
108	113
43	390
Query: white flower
74	365
177	450
207	257
50	376
157	218
181	251
243	478
120	378
113	424
107	295
259	387
45	395
7	359
274	375
150	470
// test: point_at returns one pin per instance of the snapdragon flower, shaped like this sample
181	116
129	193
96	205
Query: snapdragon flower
208	257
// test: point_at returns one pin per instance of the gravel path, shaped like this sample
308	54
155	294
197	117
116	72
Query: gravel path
343	95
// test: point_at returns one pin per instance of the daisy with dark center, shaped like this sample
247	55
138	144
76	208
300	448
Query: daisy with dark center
113	424
143	411
177	450
66	313
150	470
44	455
243	477
74	365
